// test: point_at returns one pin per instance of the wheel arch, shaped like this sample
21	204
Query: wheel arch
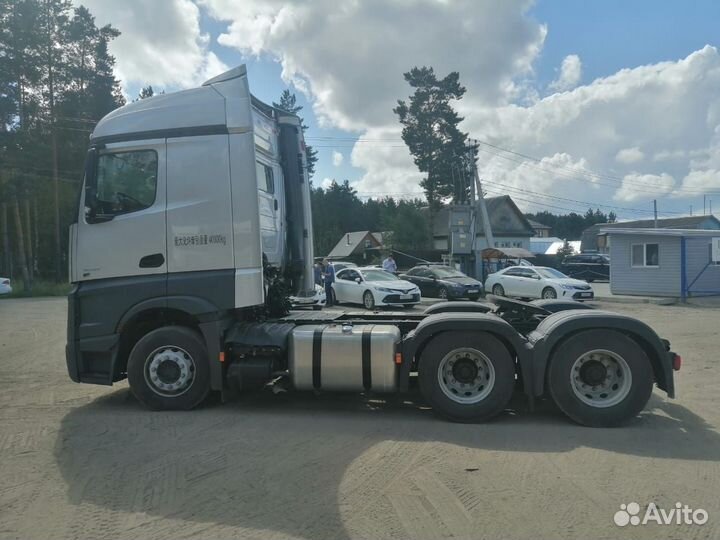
196	313
436	324
557	328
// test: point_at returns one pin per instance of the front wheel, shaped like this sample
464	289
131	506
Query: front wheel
600	378
549	293
498	290
168	369
466	376
368	300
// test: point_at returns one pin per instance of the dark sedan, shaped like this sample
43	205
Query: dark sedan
443	282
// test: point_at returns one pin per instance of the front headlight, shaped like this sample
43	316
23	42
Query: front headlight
384	289
568	287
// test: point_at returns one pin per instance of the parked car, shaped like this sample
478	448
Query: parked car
537	282
316	300
5	287
443	282
341	265
587	266
373	287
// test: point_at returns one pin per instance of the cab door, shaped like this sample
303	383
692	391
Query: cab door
271	205
121	229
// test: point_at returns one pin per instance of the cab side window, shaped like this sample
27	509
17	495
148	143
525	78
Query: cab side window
265	177
125	182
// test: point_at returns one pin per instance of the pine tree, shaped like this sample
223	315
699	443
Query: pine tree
430	130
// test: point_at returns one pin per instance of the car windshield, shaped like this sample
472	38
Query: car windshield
447	273
379	275
550	273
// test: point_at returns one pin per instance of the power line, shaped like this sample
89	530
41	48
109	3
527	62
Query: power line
617	181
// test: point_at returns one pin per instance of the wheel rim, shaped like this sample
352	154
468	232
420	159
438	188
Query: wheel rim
498	290
442	294
601	378
169	371
369	302
466	376
549	293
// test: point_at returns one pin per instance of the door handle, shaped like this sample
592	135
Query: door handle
152	261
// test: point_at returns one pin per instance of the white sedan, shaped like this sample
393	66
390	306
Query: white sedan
314	299
537	282
5	287
373	287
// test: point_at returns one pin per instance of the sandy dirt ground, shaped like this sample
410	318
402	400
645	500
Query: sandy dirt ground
80	461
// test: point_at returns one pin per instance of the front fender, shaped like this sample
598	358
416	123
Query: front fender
556	327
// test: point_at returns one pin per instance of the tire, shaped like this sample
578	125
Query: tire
498	368
498	290
171	346
549	293
317	308
443	293
620	404
368	300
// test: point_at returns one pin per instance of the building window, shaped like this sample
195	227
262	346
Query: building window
645	255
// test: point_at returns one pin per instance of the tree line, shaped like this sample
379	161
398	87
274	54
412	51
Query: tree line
570	226
56	81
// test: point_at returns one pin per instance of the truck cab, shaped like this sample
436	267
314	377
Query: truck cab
166	217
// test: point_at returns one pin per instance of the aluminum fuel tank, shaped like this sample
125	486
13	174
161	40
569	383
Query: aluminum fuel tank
344	358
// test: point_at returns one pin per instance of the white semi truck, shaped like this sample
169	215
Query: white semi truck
188	197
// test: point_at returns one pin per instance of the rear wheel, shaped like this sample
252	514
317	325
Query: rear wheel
368	300
498	290
168	369
466	376
549	293
600	378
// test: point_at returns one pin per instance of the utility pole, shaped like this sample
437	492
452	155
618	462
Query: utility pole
704	197
655	211
487	229
691	210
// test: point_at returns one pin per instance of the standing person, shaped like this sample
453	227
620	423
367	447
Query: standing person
329	276
389	264
318	273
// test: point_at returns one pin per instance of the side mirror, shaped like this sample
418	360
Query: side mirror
358	280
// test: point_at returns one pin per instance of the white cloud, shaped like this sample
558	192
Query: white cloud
653	186
570	74
349	57
337	158
702	181
629	155
617	139
161	42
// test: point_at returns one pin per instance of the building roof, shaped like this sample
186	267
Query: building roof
663	231
589	235
350	241
501	225
686	222
537	224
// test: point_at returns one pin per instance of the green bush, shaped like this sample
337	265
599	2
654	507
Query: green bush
39	288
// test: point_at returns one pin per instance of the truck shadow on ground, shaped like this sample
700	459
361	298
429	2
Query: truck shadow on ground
294	463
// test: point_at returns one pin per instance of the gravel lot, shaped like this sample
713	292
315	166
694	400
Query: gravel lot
80	461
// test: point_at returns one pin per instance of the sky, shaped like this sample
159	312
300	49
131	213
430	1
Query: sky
610	104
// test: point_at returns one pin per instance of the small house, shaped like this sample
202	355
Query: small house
664	262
